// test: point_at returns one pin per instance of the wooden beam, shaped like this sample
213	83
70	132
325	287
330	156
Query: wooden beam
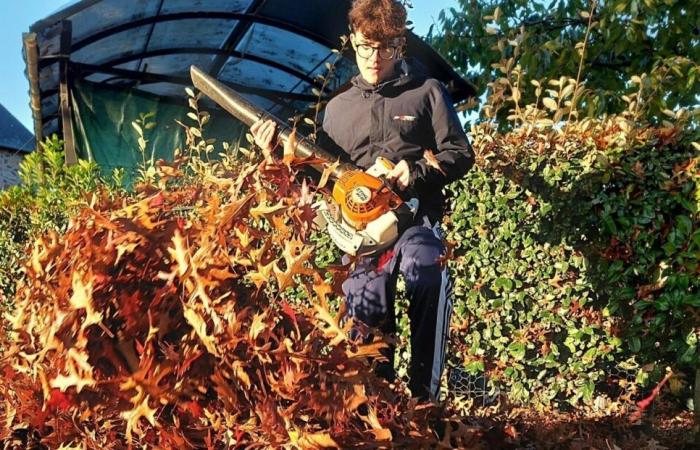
31	56
64	92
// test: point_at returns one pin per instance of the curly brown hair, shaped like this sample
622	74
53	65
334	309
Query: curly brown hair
378	20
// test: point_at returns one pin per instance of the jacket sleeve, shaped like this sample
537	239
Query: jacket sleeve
454	153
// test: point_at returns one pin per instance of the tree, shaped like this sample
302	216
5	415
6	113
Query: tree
660	38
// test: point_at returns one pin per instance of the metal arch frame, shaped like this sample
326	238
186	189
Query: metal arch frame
213	51
235	36
201	15
150	33
148	77
225	51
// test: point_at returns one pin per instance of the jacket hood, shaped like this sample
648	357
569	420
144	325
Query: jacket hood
404	72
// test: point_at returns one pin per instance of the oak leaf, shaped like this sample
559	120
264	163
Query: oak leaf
290	147
306	197
82	299
317	441
232	210
200	328
380	433
328	169
133	417
432	161
79	373
262	276
258	325
263	209
180	253
371	350
295	254
357	398
240	373
329	326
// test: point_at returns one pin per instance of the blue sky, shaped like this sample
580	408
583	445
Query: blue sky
16	19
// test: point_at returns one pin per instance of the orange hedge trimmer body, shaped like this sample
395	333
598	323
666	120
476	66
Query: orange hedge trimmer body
372	215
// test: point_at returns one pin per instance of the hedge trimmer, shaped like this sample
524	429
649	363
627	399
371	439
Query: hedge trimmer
370	215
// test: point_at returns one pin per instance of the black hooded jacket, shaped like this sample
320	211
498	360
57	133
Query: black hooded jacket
399	119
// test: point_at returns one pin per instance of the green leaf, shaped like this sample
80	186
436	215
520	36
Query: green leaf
137	127
503	283
635	344
609	224
590	354
517	350
684	224
588	390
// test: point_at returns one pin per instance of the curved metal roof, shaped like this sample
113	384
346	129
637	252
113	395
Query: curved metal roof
270	50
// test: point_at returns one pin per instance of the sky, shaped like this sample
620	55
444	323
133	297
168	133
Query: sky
17	16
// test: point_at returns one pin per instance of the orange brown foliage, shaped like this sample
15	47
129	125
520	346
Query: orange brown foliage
143	326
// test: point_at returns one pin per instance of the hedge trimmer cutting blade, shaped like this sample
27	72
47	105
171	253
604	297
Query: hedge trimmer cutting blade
371	216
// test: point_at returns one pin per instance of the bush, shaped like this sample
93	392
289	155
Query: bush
648	216
576	259
48	193
577	235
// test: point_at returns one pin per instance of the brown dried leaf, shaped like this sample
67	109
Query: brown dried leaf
328	169
258	325
82	299
199	326
432	161
290	147
262	276
135	415
329	326
317	441
263	209
295	254
80	373
180	253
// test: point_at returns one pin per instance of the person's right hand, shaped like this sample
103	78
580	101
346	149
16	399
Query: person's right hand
264	131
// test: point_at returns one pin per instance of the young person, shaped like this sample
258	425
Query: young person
393	110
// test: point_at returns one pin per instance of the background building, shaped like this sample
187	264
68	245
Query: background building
15	142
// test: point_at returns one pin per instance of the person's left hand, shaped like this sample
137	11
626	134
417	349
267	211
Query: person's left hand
400	175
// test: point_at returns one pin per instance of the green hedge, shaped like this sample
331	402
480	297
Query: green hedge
556	255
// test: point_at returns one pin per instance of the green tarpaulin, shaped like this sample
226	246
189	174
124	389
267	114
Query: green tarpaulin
104	132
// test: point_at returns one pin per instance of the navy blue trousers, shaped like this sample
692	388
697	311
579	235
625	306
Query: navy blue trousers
369	295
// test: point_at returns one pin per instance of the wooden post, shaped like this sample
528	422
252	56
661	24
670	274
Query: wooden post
64	92
31	56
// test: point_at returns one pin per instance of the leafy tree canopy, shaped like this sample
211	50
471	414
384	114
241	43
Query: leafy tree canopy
626	38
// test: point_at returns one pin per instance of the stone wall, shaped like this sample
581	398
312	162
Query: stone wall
9	166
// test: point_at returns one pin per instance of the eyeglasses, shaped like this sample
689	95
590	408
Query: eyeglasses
366	51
